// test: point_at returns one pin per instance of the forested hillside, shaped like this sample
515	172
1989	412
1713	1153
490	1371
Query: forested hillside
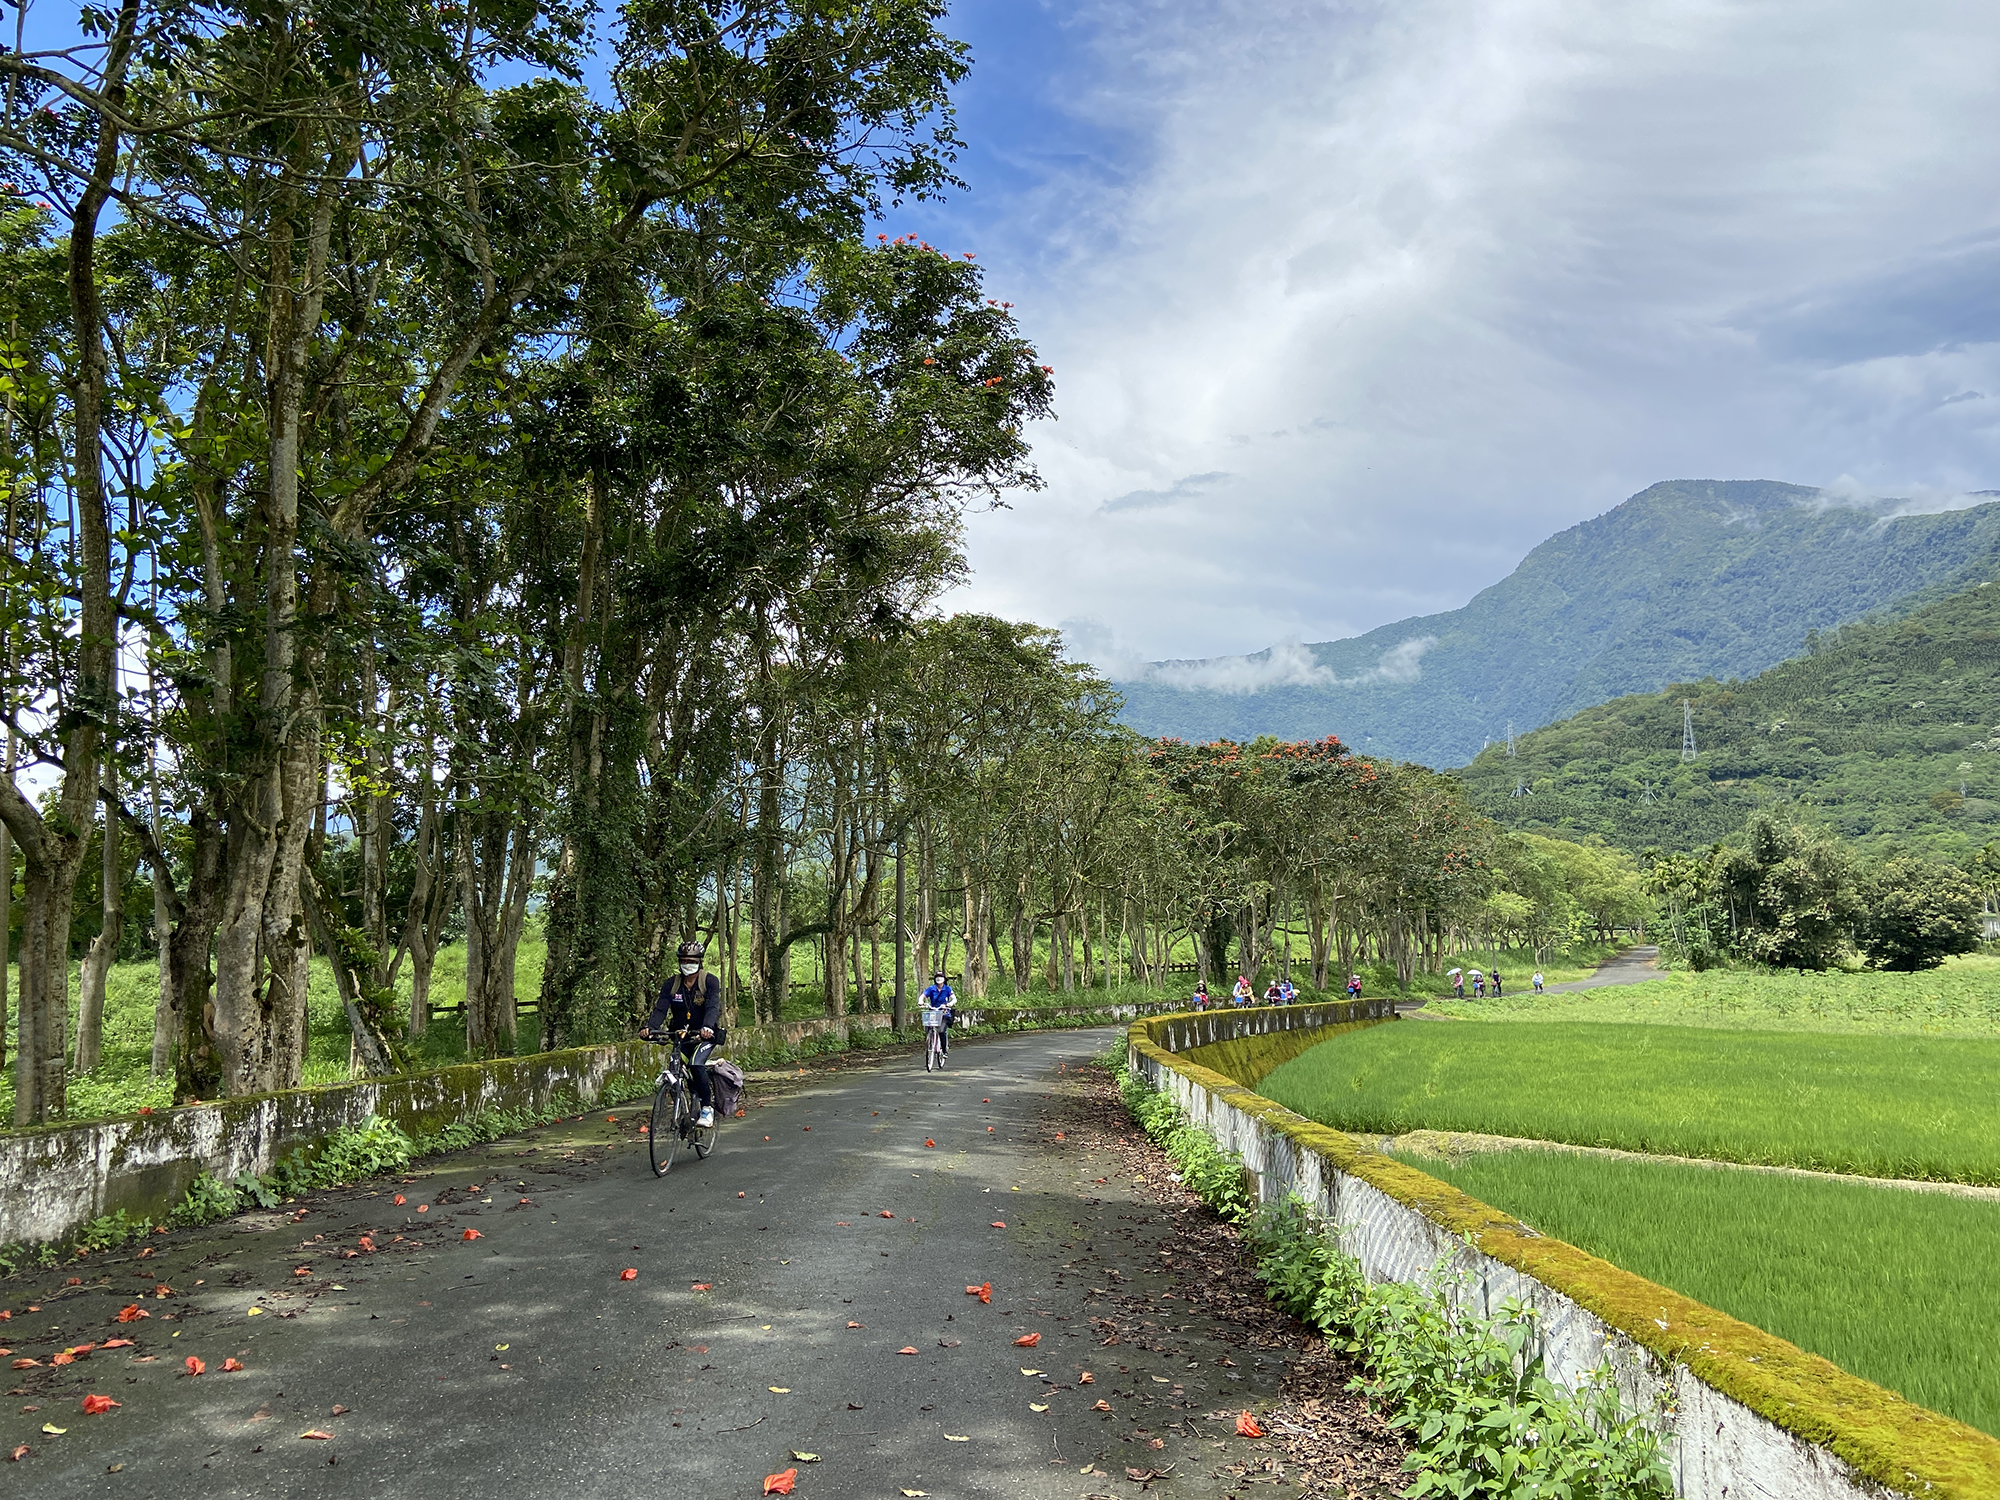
1685	580
1890	727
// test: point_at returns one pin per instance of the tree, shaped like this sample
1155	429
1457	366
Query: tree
1919	914
1791	891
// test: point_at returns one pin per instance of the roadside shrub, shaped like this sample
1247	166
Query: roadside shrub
1482	1415
208	1199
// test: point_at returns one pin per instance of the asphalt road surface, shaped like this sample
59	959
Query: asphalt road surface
1632	966
777	1285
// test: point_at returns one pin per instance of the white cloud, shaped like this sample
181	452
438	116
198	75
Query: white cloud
1282	665
1371	298
1289	663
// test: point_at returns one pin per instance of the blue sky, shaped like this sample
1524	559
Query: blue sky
1351	302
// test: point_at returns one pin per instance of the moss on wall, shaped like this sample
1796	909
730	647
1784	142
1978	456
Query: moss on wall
1248	1059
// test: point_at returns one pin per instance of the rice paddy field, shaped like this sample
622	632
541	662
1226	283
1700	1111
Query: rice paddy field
1875	1105
1876	1075
1895	1285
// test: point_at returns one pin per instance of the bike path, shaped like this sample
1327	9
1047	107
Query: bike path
521	1361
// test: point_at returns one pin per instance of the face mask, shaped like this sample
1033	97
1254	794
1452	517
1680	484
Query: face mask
690	968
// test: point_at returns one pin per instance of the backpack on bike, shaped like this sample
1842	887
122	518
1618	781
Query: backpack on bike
727	1079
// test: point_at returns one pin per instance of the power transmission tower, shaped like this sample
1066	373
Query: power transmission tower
1520	787
1687	730
1510	736
1648	797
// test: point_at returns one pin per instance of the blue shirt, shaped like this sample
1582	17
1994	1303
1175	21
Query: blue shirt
939	994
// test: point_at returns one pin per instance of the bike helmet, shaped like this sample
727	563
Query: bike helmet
690	957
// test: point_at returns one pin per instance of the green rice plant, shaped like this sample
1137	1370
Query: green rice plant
1893	1285
1960	999
1878	1106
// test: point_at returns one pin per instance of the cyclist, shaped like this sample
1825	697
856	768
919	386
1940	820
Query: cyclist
1273	995
1242	993
1200	999
1354	986
1287	991
940	997
690	1009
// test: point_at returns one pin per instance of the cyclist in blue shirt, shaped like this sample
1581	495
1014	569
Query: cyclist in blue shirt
939	996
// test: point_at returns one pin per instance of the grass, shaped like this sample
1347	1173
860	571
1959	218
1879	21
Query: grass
1880	1106
1895	1286
1960	999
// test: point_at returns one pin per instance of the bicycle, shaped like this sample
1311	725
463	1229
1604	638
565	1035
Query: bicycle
934	1019
675	1110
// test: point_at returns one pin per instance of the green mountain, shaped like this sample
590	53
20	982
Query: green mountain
1691	579
1890	727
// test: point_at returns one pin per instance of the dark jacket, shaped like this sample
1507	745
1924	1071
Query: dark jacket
681	1005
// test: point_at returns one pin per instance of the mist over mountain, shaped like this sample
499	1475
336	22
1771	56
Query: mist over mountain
1686	580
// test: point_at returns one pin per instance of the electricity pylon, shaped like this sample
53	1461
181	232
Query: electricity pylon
1687	730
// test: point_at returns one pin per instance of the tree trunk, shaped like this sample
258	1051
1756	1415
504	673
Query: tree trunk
897	1013
261	937
1022	932
54	848
103	951
164	1007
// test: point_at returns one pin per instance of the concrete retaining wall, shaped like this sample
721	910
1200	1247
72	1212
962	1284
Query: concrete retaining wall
1788	1424
57	1178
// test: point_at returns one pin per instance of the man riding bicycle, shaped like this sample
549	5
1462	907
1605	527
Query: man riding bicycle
690	1010
940	997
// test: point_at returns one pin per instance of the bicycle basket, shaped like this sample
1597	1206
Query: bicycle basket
933	1015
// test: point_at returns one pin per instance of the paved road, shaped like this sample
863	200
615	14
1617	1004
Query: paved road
1633	966
521	1363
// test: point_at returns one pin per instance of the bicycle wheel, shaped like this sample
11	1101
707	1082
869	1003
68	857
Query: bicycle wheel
663	1134
702	1140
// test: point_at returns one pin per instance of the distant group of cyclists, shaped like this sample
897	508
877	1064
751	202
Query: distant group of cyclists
1279	991
1458	978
